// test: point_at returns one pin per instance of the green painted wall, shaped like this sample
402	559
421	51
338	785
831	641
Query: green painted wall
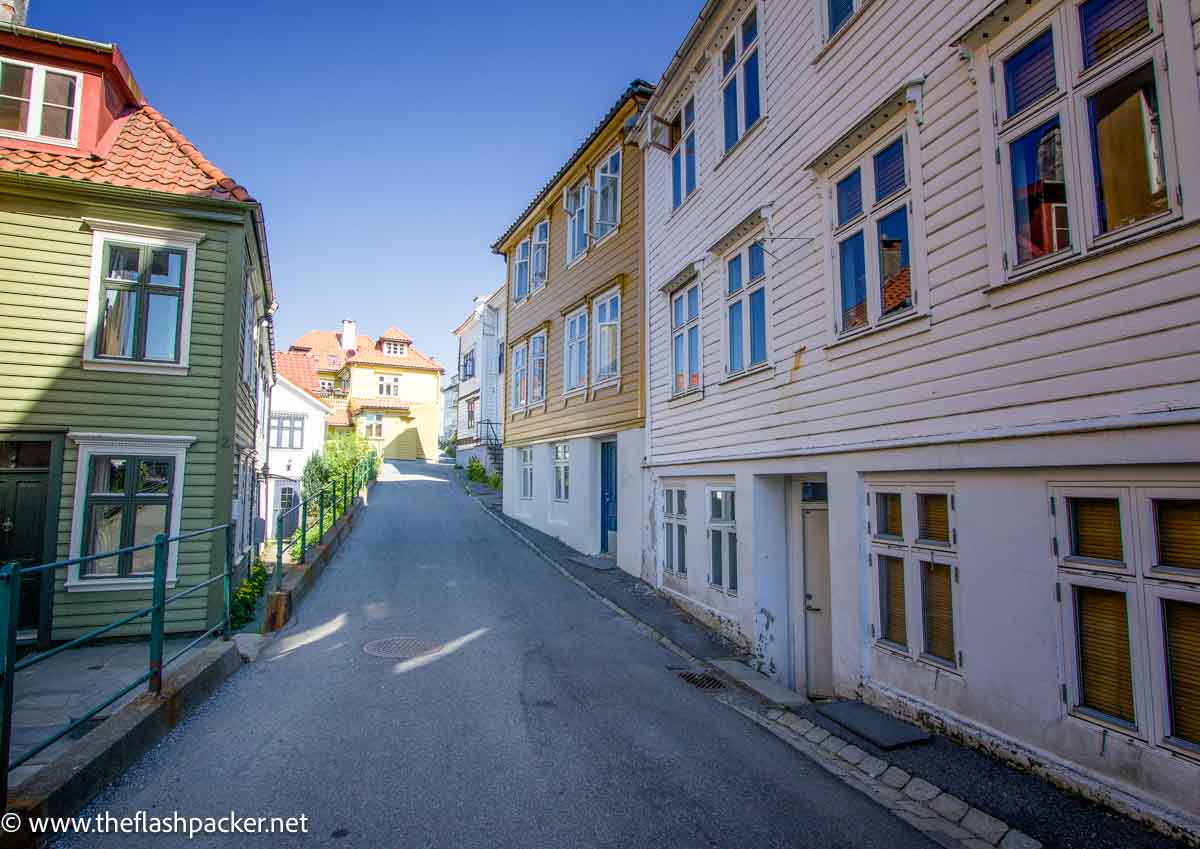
45	257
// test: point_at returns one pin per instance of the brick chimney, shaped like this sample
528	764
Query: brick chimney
349	328
14	12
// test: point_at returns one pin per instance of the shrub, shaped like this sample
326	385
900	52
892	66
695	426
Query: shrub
244	602
314	476
495	481
475	471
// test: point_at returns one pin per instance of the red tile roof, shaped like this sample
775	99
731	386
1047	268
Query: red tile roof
322	345
395	334
146	152
339	418
379	404
299	370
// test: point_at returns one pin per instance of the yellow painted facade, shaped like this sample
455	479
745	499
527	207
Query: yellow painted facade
397	409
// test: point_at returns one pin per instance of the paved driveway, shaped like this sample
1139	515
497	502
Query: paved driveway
548	721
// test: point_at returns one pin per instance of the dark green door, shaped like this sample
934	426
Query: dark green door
23	534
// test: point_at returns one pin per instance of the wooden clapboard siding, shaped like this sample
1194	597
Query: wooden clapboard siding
619	256
1116	333
45	259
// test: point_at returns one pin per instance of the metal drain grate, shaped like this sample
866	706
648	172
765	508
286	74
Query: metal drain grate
702	680
402	648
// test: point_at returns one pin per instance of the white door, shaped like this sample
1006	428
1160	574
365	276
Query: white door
813	650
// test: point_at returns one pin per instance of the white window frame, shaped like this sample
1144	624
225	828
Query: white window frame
903	127
389	385
138	234
674	554
737	77
724	525
393	349
249	329
295	427
912	551
1145	586
1177	113
37	96
600	378
541	247
577	206
520	262
519	381
825	21
681	331
326	384
145	445
562	472
603	172
471	404
537	389
525	455
687	135
570	351
742	296
373	422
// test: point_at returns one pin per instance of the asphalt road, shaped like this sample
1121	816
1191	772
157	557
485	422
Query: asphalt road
549	721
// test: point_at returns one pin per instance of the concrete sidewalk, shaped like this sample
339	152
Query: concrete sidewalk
1017	804
50	696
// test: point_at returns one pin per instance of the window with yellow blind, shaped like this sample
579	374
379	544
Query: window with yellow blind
1181	629
937	605
1096	529
890	518
1105	668
1129	585
933	518
893	627
1177	532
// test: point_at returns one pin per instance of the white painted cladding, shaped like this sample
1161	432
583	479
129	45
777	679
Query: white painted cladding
1088	372
1113	334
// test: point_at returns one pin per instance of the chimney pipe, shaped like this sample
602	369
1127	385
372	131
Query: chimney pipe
349	329
14	12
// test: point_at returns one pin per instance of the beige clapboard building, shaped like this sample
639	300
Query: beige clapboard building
575	399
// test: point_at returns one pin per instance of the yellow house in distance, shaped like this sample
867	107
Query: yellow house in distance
385	389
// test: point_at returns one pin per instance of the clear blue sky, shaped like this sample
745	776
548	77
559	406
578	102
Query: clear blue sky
389	142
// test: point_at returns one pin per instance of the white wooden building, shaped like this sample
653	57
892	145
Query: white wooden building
296	431
923	311
481	387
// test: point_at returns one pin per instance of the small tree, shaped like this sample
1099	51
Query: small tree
314	476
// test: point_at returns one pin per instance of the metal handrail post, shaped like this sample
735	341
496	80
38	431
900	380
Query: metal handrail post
321	515
158	614
303	529
10	611
345	492
227	584
279	552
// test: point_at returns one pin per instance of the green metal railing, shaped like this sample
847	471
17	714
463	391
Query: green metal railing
327	504
10	592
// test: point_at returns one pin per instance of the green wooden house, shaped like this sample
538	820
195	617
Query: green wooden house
135	341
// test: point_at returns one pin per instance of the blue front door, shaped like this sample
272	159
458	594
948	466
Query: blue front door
608	494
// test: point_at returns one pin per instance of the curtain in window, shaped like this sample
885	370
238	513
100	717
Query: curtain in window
1105	675
1178	525
1182	625
1109	25
891	522
1127	150
939	611
889	170
1029	75
1096	528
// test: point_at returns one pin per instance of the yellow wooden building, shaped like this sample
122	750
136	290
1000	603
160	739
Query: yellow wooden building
383	388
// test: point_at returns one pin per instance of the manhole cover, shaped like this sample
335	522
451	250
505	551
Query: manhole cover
702	680
402	648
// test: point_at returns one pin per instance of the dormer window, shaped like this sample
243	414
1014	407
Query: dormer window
38	103
394	349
